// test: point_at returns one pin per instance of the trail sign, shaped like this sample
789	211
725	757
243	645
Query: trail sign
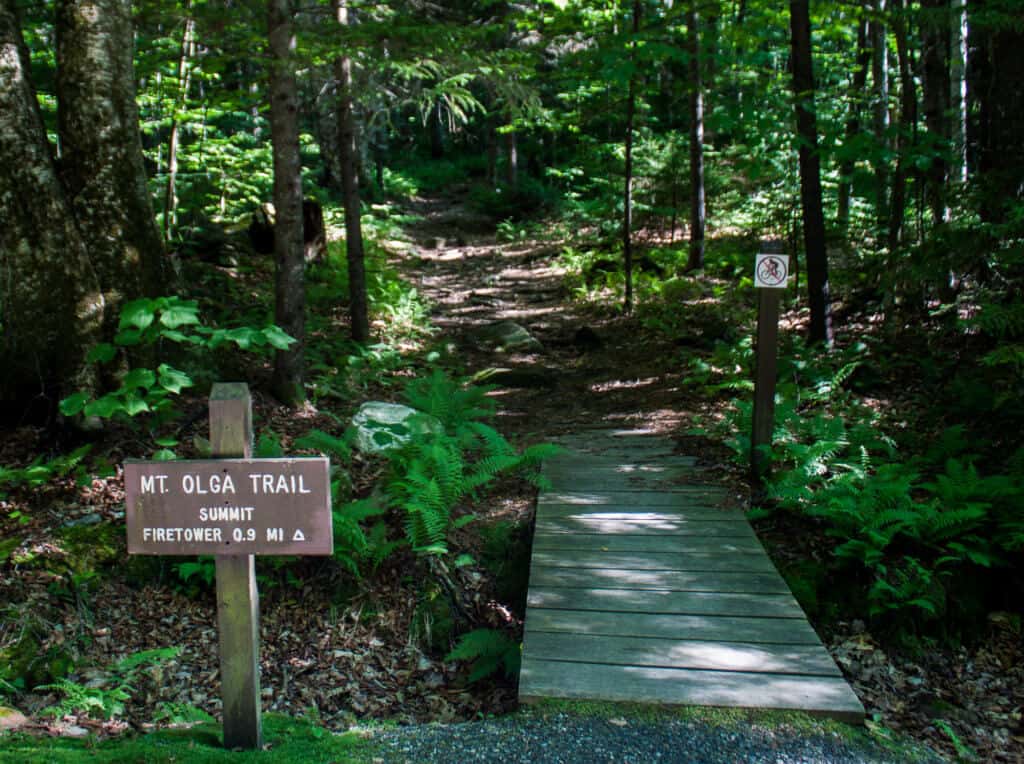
235	508
229	506
771	271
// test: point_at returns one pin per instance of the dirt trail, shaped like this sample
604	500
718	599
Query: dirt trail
595	367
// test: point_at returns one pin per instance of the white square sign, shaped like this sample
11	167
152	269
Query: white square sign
771	271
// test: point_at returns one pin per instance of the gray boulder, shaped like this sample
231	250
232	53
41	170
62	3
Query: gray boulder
384	427
509	336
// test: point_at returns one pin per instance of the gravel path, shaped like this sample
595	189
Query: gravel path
562	738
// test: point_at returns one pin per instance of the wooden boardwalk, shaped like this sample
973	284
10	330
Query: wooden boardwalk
644	587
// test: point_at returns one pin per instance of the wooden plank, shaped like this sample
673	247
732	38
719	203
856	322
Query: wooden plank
643	526
665	601
607	542
623	511
705	495
808	660
624	459
654	561
785	631
628	484
825	696
672	580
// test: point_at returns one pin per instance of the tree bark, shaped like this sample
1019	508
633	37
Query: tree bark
958	89
935	102
512	168
810	174
627	214
289	312
905	136
51	305
347	151
695	260
101	149
173	140
880	109
853	125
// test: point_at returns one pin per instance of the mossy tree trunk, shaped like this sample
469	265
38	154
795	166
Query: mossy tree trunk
51	306
290	292
101	159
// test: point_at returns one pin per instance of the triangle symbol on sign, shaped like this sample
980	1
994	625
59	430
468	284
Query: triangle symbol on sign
298	536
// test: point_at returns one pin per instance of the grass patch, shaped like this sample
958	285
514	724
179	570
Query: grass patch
287	740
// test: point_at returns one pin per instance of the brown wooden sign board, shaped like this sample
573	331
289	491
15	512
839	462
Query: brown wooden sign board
229	506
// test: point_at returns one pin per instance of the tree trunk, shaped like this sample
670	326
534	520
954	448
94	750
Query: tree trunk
905	136
436	131
101	150
958	89
627	215
860	80
997	71
512	168
357	299
880	110
810	174
935	102
51	306
289	312
697	210
184	80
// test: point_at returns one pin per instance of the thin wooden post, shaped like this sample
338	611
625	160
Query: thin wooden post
766	355
238	603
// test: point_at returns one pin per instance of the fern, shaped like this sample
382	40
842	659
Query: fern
488	650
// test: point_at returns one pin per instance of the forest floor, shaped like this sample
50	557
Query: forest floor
340	650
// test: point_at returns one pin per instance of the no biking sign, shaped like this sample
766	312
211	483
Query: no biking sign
771	271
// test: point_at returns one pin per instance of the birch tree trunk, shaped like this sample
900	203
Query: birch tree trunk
880	109
289	311
51	306
101	149
184	83
810	174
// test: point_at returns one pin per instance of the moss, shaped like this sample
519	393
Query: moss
90	547
289	741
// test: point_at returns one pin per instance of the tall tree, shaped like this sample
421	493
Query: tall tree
101	149
187	52
880	108
51	306
935	101
853	123
347	152
905	137
290	305
697	209
810	173
627	196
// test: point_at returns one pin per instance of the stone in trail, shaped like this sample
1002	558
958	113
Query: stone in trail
509	336
383	427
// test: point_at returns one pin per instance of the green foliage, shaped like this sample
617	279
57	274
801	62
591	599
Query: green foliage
147	323
434	471
106	701
487	651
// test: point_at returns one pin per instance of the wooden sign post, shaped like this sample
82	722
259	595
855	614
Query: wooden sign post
771	274
234	507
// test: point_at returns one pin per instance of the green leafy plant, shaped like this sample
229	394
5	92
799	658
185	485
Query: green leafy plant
487	651
109	700
146	323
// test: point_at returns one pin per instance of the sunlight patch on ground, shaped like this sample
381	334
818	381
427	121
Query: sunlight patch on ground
621	384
